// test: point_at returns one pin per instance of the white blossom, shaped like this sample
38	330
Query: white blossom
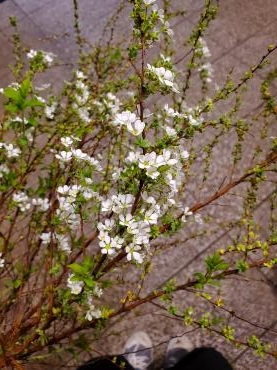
80	75
2	261
122	202
136	127
108	245
12	151
93	313
133	254
48	58
63	243
165	76
42	204
125	220
186	213
151	216
170	131
106	205
45	237
67	141
3	169
148	2
124	117
64	156
75	286
108	225
22	200
49	110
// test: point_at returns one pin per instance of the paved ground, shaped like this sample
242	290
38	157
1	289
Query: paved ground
237	38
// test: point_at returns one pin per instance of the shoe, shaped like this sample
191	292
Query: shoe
138	351
177	348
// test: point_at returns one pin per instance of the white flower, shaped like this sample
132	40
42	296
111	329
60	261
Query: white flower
2	261
107	226
170	131
12	151
133	254
125	220
118	241
151	217
170	111
93	313
80	75
42	204
165	76
148	160
64	156
75	286
45	238
164	159
184	154
48	58
49	110
122	202
186	213
31	54
108	245
22	200
135	128
148	2
140	239
207	70
79	154
205	50
83	114
3	169
133	157
63	243
124	118
106	205
67	141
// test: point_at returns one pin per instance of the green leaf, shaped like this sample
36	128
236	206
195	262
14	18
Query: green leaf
78	269
89	282
12	93
216	263
25	87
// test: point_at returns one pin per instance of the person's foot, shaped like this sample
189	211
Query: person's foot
177	348
138	351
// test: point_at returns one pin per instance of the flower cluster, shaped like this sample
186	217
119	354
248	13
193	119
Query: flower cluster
133	124
50	110
22	200
164	76
25	203
205	69
65	156
11	150
62	241
41	56
92	312
81	97
74	285
136	229
151	162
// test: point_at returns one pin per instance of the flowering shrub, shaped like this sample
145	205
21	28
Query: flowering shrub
95	181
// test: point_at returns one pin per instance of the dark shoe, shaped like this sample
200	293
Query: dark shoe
177	348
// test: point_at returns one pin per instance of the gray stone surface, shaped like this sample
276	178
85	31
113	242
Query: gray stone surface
237	38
